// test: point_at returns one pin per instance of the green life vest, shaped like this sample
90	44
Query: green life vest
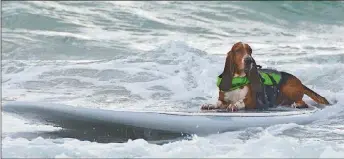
238	82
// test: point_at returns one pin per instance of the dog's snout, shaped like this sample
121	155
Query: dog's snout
248	59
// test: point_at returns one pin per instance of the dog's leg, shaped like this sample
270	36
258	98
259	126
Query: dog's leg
292	93
220	104
299	104
250	100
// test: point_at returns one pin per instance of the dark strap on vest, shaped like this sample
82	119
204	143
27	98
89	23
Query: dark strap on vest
268	97
272	92
261	98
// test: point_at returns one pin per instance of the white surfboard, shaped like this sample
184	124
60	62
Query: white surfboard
200	123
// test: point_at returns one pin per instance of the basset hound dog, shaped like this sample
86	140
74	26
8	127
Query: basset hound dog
243	85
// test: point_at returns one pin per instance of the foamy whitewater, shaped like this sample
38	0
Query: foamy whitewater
166	56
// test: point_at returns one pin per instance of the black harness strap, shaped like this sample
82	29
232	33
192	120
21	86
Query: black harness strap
268	97
272	92
261	98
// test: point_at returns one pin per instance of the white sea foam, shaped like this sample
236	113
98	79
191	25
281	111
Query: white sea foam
264	144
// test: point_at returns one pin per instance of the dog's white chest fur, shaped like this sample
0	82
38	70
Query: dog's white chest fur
236	97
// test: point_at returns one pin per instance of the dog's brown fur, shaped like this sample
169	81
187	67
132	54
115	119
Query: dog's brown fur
291	91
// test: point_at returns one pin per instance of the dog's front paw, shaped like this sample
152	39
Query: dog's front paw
208	107
232	108
239	105
222	105
219	105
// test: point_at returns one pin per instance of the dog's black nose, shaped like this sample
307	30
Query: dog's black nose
248	60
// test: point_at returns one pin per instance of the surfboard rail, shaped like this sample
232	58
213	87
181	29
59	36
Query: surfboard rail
310	110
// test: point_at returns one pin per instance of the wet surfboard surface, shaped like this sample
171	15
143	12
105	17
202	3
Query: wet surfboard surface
148	123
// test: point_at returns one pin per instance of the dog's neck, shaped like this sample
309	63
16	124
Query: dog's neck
240	74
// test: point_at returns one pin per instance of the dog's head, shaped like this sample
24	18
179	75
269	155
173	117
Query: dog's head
238	61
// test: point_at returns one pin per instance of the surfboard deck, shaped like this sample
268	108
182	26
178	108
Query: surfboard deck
280	111
110	123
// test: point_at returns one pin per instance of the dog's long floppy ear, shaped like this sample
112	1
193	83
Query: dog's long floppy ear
253	77
258	91
228	73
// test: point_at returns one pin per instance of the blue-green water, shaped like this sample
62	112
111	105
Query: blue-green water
166	56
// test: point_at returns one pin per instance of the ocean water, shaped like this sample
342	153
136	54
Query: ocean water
166	55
